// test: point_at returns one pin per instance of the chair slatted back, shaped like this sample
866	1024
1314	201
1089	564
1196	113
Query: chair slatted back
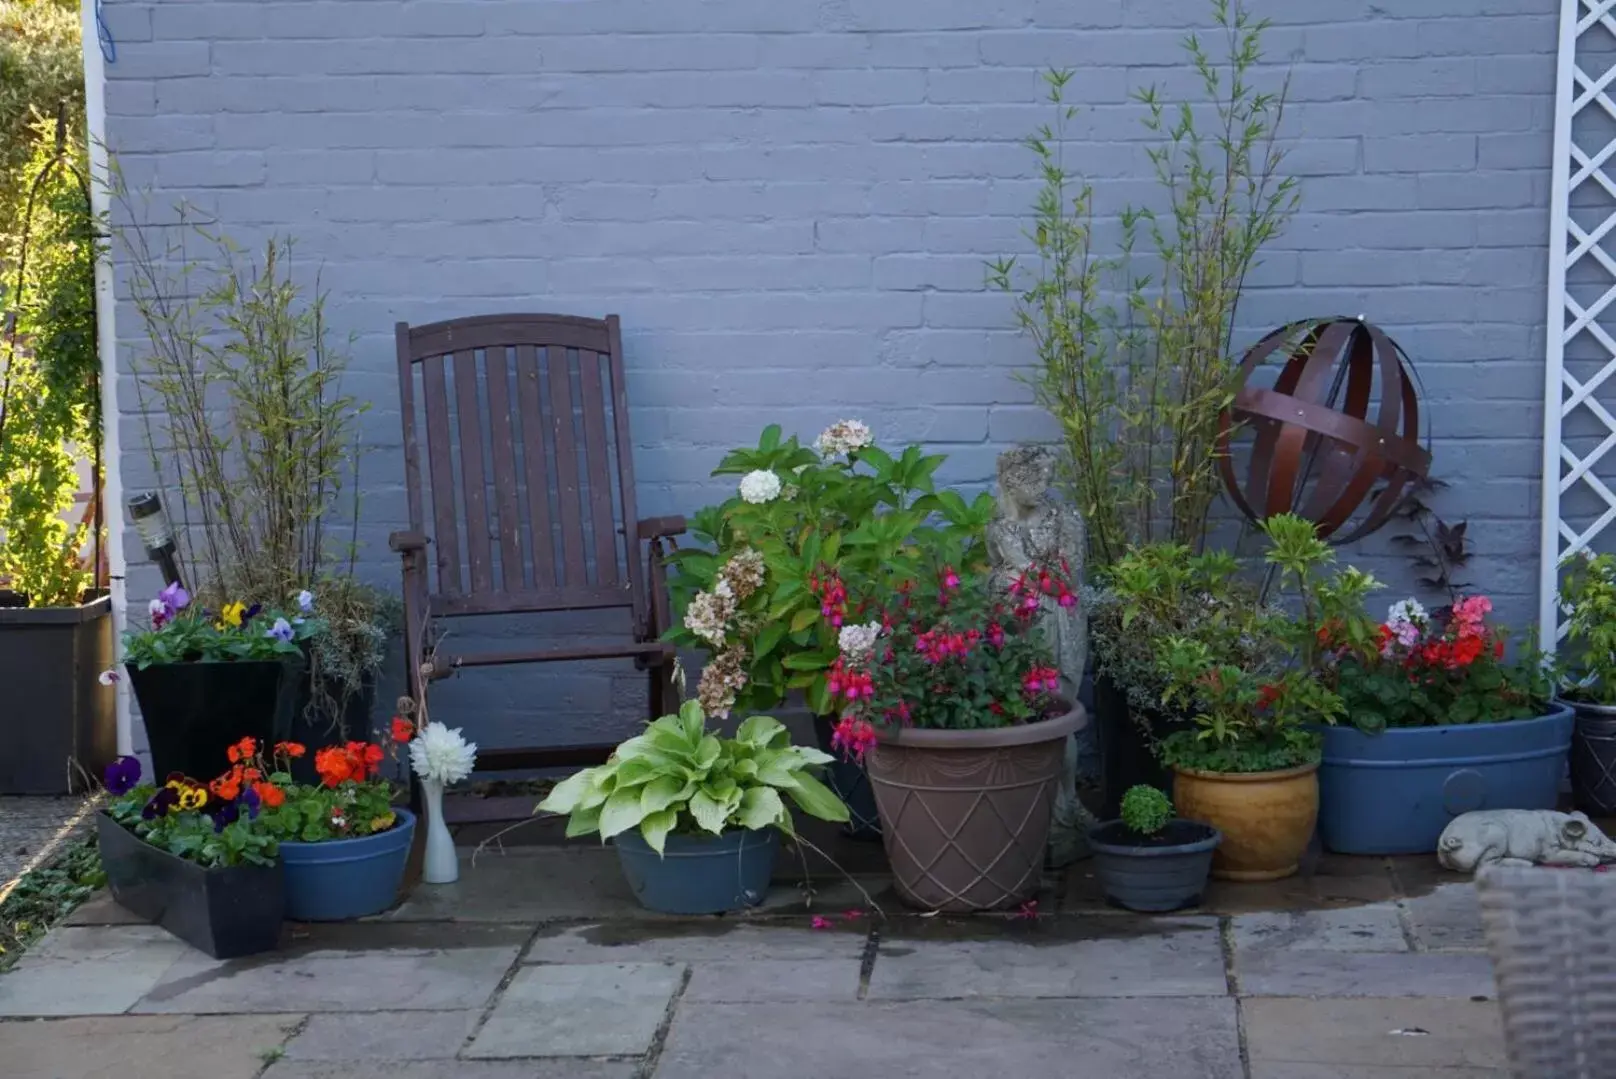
529	499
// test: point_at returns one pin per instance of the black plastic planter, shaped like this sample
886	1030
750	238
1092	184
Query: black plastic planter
195	711
1593	759
851	784
225	912
1127	752
1158	873
59	726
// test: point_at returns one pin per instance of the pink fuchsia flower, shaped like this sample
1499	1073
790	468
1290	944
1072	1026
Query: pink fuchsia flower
1066	599
853	737
951	579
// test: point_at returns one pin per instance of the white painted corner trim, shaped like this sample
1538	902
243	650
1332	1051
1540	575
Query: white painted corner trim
1576	89
106	339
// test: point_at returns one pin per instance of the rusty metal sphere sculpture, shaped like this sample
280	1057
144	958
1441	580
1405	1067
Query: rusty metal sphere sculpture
1317	451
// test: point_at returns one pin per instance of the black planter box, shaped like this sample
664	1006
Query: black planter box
195	711
226	912
1127	754
59	725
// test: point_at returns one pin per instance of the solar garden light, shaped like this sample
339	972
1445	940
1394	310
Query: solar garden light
151	523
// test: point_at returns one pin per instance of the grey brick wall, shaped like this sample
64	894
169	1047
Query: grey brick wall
789	204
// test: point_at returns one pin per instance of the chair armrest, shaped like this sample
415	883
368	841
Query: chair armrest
403	542
656	527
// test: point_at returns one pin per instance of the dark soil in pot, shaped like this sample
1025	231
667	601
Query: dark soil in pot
1157	873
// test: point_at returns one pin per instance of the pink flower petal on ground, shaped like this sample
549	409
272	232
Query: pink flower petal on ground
853	915
1029	910
820	922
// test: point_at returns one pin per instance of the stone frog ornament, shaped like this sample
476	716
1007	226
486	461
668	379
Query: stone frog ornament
1521	837
1034	525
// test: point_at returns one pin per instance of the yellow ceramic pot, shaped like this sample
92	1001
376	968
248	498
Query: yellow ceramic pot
1266	818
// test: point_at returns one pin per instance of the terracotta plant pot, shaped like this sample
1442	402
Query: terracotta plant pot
965	814
1266	818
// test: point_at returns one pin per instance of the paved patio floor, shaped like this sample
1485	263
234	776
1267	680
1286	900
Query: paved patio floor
539	964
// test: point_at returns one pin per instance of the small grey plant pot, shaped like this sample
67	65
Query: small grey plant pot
1155	877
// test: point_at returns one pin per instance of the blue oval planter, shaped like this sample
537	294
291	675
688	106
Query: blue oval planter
1394	792
346	878
699	874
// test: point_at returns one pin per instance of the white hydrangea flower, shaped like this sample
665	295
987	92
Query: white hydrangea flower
843	436
709	613
857	641
760	486
1406	611
442	754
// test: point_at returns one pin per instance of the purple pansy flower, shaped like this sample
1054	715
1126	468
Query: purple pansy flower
175	596
225	815
305	601
161	613
249	798
250	613
281	630
122	775
164	800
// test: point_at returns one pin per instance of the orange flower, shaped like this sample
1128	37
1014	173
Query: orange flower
228	786
403	729
269	794
334	765
246	749
291	749
373	759
250	775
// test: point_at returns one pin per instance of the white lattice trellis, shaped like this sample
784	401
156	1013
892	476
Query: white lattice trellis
1579	431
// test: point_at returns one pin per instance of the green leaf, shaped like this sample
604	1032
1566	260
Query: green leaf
661	793
768	639
816	799
583	822
762	731
621	812
761	807
655	828
801	621
808	661
693	721
567	795
708	812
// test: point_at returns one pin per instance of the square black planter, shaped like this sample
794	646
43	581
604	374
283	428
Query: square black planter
193	712
226	912
59	726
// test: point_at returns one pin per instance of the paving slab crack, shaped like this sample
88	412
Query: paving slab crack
499	990
872	948
654	1053
1231	978
270	1057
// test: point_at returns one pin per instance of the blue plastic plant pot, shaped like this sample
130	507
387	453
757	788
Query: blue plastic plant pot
1394	792
346	878
703	874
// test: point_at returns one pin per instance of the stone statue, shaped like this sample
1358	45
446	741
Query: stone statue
1033	525
1521	837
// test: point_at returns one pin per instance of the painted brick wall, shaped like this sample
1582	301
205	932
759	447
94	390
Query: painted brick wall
790	203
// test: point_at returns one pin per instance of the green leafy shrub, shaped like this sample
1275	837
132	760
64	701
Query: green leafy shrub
1589	595
1255	690
41	67
679	778
1146	810
769	600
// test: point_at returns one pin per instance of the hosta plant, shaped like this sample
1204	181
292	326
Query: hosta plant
1146	810
680	778
770	597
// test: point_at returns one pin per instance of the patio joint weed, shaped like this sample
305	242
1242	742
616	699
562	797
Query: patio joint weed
654	1053
1231	978
872	948
504	984
46	895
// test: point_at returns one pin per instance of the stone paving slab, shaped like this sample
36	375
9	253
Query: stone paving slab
91	971
582	1010
378	1036
1376	927
1113	957
695	941
1447	919
102	909
1374	1034
1270	1070
1116	1039
332	981
1362	974
457	1069
746	980
188	1047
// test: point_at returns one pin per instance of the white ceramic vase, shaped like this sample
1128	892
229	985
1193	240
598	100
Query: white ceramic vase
440	866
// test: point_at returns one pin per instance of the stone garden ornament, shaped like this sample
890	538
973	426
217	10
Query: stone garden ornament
1522	837
1034	526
